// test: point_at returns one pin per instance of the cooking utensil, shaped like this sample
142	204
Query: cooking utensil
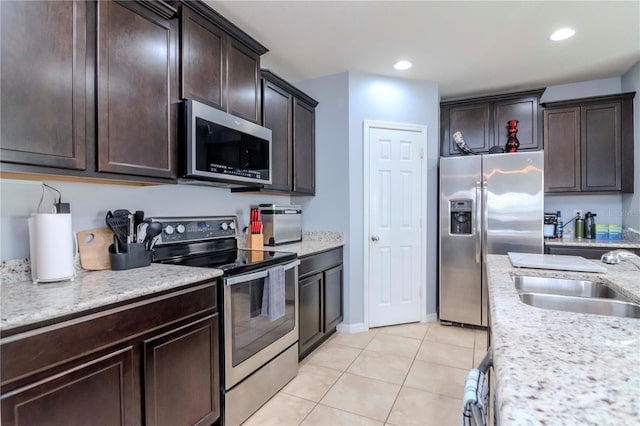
154	229
120	227
93	245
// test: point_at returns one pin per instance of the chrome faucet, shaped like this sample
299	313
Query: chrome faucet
617	256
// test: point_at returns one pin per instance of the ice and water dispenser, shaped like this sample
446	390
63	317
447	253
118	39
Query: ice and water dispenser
461	216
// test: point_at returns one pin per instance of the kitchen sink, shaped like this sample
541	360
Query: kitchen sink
565	287
586	305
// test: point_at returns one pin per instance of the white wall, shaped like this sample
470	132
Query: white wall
346	100
631	202
90	202
582	89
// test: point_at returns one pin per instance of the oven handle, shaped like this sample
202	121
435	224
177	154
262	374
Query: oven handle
256	275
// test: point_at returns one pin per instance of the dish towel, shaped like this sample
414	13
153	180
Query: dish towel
273	296
476	394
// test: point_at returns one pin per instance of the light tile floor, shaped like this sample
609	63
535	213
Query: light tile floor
410	374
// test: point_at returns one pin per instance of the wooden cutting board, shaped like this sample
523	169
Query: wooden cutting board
93	245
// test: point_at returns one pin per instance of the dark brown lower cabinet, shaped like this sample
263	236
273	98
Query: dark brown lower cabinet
154	362
321	288
586	252
97	392
175	364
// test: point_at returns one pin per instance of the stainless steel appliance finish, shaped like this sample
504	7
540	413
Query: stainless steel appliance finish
225	148
502	197
282	224
259	353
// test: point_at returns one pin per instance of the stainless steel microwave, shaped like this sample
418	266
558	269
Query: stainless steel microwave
224	148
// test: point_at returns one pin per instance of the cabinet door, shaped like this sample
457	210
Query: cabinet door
473	122
276	113
525	110
304	148
310	316
100	392
181	375
601	147
562	150
243	82
204	63
43	86
333	288
137	90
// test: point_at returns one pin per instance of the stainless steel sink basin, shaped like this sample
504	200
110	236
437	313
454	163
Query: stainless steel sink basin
565	287
586	305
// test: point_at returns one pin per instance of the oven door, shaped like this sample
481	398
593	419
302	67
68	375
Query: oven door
251	339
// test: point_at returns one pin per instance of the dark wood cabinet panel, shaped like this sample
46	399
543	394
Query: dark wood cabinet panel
137	90
562	150
473	122
159	352
203	60
586	252
333	293
244	97
276	115
43	84
600	146
321	289
311	322
181	378
525	110
588	144
483	122
304	148
99	392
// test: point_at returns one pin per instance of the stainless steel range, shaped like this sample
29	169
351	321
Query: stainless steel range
260	348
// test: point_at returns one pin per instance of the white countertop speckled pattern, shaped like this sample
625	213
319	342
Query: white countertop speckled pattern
312	242
24	303
560	368
593	243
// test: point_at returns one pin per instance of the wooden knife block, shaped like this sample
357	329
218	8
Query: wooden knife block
255	241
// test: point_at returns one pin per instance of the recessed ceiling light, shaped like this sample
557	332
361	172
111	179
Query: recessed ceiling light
562	34
402	65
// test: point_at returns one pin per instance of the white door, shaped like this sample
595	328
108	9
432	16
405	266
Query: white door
396	267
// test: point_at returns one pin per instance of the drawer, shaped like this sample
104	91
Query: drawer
319	262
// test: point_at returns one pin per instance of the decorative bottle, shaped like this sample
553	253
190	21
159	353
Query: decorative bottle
512	141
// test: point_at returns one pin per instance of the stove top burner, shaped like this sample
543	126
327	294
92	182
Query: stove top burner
234	262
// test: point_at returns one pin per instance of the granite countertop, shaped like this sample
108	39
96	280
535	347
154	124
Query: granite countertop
583	242
23	303
312	242
555	367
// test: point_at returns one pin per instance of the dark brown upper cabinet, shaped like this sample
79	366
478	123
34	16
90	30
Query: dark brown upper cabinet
43	87
137	89
589	145
290	114
220	63
483	122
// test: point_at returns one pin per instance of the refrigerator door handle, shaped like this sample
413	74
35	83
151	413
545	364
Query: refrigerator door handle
485	218
477	221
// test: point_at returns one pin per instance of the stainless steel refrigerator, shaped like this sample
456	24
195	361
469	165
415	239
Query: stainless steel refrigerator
489	204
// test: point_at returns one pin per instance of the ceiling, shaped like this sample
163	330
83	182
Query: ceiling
466	47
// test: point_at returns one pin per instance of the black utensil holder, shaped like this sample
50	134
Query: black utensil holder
137	256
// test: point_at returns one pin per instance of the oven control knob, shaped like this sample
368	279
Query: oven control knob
232	225
168	229
224	226
180	229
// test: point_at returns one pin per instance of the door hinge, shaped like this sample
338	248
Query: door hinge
422	153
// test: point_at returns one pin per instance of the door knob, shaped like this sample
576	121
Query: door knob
375	238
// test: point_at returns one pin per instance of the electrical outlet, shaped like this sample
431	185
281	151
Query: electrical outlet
577	213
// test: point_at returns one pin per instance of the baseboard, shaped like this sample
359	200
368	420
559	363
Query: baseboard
351	328
430	318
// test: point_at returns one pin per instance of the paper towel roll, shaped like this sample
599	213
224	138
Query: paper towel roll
51	246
